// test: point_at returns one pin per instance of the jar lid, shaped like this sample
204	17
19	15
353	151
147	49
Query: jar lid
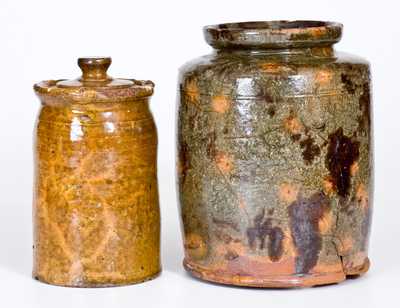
94	85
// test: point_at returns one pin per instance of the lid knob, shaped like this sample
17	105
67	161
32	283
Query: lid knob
94	68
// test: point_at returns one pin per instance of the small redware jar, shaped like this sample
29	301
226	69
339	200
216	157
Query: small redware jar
275	156
96	211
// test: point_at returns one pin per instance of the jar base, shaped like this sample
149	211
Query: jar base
279	281
98	285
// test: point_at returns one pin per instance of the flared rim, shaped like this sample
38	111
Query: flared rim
273	34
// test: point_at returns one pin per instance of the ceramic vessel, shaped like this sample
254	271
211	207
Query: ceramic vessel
96	212
275	156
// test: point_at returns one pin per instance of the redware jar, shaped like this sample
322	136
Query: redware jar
275	156
96	212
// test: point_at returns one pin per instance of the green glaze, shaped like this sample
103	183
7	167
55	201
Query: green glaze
275	156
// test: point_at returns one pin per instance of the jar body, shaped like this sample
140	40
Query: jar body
96	212
275	166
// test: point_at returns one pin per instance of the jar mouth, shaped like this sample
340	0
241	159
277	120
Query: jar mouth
273	34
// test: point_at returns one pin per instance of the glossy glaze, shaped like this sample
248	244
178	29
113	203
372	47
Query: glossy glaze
96	212
275	156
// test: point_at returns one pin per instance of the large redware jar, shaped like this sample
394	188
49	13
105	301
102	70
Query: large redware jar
96	212
275	156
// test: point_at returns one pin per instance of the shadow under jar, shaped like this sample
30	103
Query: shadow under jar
96	211
275	156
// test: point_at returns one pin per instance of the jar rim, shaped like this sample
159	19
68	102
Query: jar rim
273	34
51	91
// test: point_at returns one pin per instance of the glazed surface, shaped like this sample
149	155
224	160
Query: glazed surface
96	212
275	166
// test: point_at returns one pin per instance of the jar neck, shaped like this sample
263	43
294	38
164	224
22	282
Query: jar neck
317	51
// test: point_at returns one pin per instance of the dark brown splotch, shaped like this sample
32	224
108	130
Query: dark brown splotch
225	35
266	97
364	120
271	111
259	230
295	137
310	150
304	216
308	145
343	151
275	247
262	229
348	84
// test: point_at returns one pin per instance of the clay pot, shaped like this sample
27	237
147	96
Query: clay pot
96	212
275	156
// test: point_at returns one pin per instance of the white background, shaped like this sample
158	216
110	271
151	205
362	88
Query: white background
150	40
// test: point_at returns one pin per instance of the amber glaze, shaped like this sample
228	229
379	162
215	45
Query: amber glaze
275	156
96	212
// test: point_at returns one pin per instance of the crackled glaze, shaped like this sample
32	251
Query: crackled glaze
96	213
275	157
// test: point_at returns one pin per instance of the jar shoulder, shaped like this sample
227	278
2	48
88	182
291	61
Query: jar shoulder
233	66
